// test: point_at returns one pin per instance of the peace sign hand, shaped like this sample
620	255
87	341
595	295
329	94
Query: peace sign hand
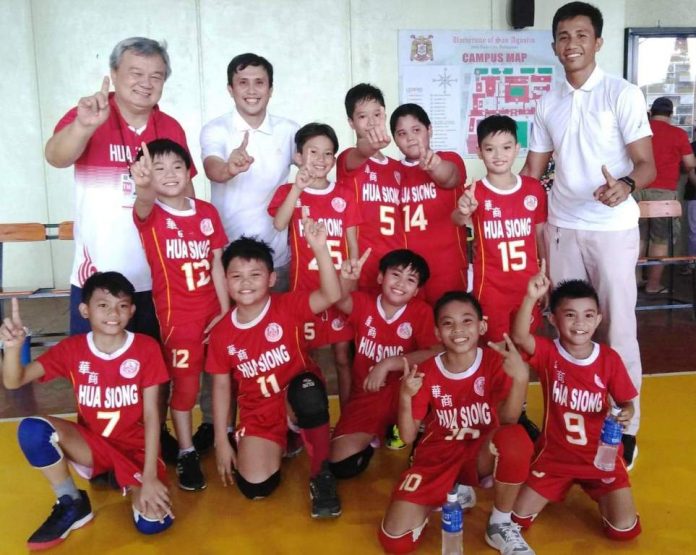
351	268
411	380
513	365
427	159
93	110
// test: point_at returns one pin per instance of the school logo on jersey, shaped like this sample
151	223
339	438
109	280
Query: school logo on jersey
337	324
338	204
273	332
206	227
421	48
397	177
530	202
598	382
129	368
480	386
404	331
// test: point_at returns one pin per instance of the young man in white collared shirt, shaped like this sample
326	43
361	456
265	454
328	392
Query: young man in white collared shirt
247	154
597	129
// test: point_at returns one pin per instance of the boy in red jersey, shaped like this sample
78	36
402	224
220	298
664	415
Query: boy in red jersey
474	396
260	344
577	377
115	376
183	239
507	213
331	203
387	327
431	183
374	178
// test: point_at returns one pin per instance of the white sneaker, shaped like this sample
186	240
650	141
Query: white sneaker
466	496
507	539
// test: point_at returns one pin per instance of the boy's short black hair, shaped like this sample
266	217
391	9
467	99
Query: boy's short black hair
404	258
240	62
312	130
248	248
114	282
572	289
161	147
575	9
495	124
362	93
457	296
409	109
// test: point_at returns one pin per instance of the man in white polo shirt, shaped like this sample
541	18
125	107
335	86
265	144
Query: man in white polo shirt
247	154
596	127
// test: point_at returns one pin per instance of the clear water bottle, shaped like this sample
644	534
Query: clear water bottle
609	442
452	526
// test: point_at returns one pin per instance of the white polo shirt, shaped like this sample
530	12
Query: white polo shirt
587	128
243	200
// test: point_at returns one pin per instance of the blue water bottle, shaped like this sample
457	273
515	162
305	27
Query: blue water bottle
609	441
452	526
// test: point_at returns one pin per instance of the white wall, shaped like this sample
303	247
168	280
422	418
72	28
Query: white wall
55	51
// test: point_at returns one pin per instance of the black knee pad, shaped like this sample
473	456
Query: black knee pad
260	490
353	465
307	397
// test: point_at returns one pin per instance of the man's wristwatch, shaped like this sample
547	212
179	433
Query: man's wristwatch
630	182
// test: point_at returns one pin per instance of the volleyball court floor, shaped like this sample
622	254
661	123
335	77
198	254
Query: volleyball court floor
220	520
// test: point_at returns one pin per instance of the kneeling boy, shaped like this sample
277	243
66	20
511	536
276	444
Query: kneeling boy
115	376
475	396
260	344
574	367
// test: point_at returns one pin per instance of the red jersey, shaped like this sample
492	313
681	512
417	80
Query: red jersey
376	187
427	213
463	405
265	354
505	247
670	144
179	248
108	388
336	208
575	405
376	337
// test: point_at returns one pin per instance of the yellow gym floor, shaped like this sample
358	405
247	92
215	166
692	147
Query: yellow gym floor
220	520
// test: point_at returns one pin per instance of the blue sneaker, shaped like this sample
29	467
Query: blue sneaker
68	514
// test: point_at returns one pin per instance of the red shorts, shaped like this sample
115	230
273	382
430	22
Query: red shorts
126	461
555	487
184	355
369	413
269	421
437	466
327	328
500	317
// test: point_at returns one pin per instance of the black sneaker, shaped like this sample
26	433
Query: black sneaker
204	438
630	450
322	491
188	470
169	446
530	427
68	514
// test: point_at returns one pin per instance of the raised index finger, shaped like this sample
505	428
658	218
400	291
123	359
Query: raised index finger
15	311
364	256
245	141
542	266
105	85
146	153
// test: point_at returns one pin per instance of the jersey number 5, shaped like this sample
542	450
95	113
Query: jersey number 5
334	246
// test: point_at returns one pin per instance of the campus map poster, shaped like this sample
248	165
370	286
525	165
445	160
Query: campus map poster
460	77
